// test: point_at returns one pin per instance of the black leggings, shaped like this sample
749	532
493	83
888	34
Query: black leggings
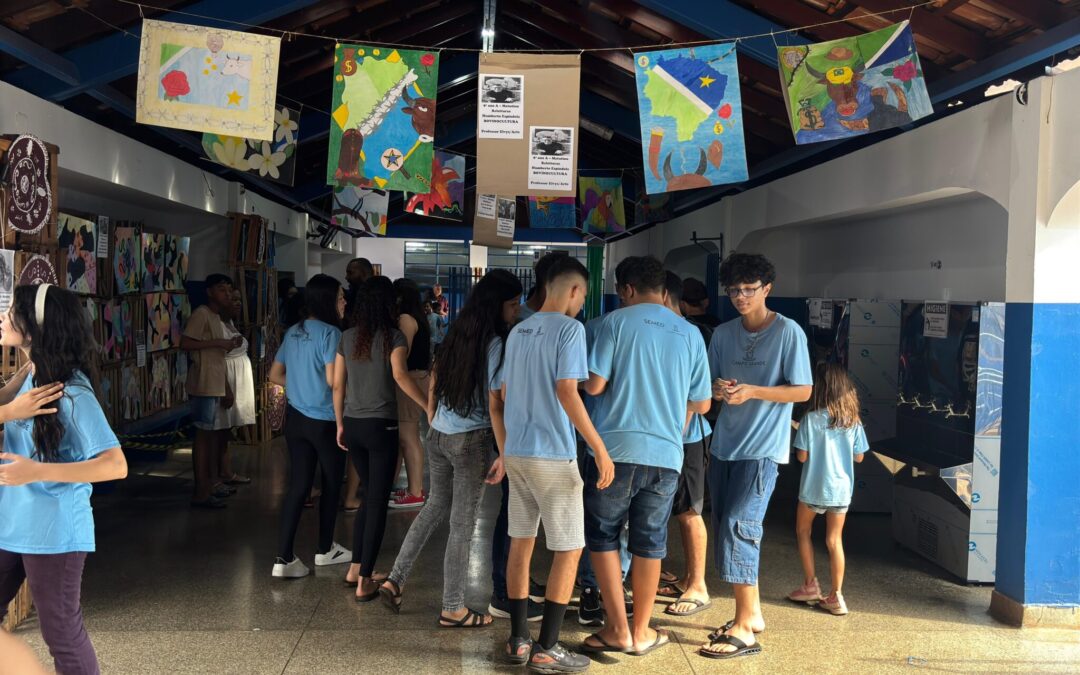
373	448
310	441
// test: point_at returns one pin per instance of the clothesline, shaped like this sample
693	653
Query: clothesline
291	34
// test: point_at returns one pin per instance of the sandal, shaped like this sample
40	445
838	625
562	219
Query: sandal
722	630
670	590
662	639
377	578
668	578
603	647
391	598
470	620
741	648
368	597
699	606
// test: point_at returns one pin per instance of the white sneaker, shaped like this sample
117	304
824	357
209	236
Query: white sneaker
335	556
290	570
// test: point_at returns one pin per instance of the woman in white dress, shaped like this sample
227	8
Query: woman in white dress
241	382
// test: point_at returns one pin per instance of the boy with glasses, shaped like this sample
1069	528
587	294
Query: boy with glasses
760	366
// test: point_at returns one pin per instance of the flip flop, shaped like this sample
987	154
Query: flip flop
699	606
670	590
391	598
662	639
716	634
368	597
741	648
668	578
603	647
470	620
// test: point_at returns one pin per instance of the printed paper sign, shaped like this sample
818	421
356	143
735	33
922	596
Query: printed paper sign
551	158
486	206
826	319
140	348
507	216
103	237
502	106
7	279
815	311
936	320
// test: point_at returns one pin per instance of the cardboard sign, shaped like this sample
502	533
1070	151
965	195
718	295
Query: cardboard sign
936	320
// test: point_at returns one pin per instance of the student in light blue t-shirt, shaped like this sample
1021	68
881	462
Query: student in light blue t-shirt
467	370
545	362
830	441
650	366
760	366
48	464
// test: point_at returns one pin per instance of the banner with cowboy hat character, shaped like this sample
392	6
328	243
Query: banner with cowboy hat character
853	86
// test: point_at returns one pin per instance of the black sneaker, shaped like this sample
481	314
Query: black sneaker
537	591
518	650
558	659
500	609
589	612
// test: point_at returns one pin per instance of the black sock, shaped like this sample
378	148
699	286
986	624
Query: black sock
519	618
553	618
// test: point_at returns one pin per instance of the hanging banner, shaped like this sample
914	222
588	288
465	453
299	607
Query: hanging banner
853	86
360	210
446	194
527	144
691	118
651	208
382	119
602	207
207	79
275	160
552	212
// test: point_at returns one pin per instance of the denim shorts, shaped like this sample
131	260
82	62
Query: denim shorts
740	492
639	494
826	509
203	409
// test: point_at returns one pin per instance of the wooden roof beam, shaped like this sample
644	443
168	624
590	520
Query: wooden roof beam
935	27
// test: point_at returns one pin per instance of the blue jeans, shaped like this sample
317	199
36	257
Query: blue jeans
202	411
739	491
586	576
639	494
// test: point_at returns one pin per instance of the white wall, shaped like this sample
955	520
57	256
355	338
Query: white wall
390	253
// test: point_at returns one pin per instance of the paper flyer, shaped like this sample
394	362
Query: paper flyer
551	158
502	106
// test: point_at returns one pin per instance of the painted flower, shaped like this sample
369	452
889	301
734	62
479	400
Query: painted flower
284	127
906	72
232	152
725	111
266	162
176	84
427	60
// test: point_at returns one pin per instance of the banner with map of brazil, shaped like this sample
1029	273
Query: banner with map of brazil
382	128
691	118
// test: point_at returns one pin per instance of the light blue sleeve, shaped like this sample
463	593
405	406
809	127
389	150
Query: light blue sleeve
700	382
797	369
283	349
602	355
495	364
328	348
861	445
88	432
714	356
572	358
802	436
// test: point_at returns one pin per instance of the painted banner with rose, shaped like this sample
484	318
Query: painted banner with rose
853	86
274	160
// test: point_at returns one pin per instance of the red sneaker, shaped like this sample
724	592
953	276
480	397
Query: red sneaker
406	501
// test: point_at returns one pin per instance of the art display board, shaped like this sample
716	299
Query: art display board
853	86
382	118
602	206
690	105
527	144
274	159
207	79
446	196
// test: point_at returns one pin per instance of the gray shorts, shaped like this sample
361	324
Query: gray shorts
826	509
548	491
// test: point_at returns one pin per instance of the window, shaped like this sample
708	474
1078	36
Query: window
428	263
522	257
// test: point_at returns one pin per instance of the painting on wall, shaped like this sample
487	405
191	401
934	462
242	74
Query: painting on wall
29	201
131	392
553	212
159	387
158	322
179	377
78	241
446	195
118	331
127	260
691	118
207	79
38	269
174	271
176	320
602	207
853	86
382	118
360	209
273	160
153	262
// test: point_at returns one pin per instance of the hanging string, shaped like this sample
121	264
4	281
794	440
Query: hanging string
576	50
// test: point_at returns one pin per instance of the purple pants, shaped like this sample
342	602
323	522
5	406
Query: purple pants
55	584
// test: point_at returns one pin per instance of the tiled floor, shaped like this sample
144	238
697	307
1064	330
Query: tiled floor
173	590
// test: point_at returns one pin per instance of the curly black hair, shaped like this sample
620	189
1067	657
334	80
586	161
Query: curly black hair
746	268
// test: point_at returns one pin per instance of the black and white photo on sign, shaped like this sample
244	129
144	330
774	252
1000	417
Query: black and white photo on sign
485	206
551	158
502	110
7	278
507	216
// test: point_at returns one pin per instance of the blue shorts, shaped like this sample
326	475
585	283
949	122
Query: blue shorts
739	492
203	409
640	494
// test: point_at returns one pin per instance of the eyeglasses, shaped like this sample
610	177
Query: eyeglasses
745	292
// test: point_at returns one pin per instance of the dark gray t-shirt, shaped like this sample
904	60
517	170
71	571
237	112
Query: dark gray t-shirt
370	391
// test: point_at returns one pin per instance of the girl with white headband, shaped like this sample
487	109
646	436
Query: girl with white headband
48	464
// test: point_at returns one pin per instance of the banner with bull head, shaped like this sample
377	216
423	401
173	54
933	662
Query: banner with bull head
382	118
853	86
691	118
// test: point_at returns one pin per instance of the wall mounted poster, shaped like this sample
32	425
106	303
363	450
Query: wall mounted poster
29	200
176	262
7	279
275	160
382	118
78	242
691	118
853	86
207	79
651	208
153	262
446	195
361	210
602	206
37	269
552	212
127	260
158	322
118	331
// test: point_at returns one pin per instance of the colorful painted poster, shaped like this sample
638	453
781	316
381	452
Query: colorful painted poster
853	86
382	121
127	260
602	207
552	212
78	241
176	320
651	208
153	262
158	322
274	160
691	118
446	194
7	279
118	331
358	210
131	389
159	393
207	79
174	272
179	378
